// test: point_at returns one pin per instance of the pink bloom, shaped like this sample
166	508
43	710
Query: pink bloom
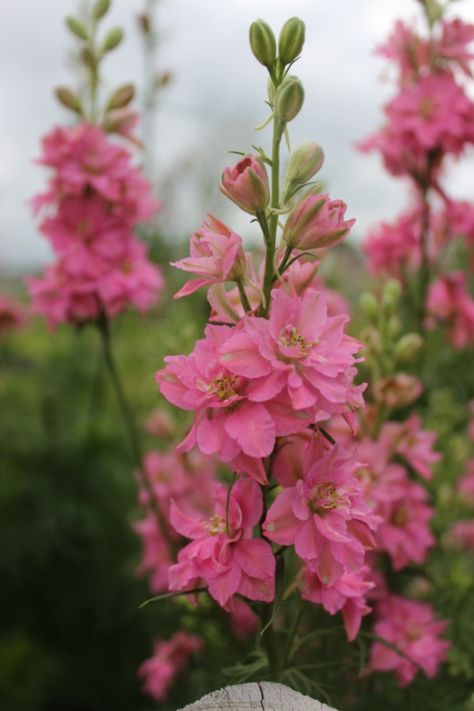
461	535
12	315
405	47
243	619
413	443
246	184
228	420
398	390
299	351
160	424
404	532
435	112
316	222
346	595
223	555
216	256
395	248
450	302
156	554
411	627
325	517
454	43
466	483
168	661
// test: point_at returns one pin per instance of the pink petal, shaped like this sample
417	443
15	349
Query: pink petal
252	427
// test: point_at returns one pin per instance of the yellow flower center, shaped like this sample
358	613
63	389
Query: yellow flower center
215	525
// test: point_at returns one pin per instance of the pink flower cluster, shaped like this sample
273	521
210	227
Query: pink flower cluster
429	120
169	659
94	201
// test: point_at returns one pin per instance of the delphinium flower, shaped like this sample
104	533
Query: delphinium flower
410	627
170	658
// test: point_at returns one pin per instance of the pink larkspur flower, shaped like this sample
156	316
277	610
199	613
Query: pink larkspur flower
461	535
398	390
411	627
228	420
324	516
347	595
246	184
450	303
223	555
414	444
404	532
316	222
169	659
299	351
217	255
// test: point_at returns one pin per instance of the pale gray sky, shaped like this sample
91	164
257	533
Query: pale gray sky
213	104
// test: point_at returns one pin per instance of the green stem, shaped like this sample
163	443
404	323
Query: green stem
270	228
243	296
130	425
269	640
292	633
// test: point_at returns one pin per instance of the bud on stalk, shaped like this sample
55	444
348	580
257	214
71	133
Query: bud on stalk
291	40
289	99
246	184
304	162
68	99
121	97
408	346
262	42
112	39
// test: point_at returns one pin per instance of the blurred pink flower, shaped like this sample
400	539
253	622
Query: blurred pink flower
414	444
411	627
12	314
450	303
168	661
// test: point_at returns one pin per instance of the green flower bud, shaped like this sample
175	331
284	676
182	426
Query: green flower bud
369	305
394	326
121	97
262	42
77	28
304	162
100	9
407	347
289	99
391	293
68	99
291	40
112	39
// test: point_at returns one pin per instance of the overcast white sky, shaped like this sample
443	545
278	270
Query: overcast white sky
213	104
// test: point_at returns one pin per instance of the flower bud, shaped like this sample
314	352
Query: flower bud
407	347
121	97
316	222
77	28
289	99
369	305
391	293
246	184
112	39
68	99
101	8
262	42
304	162
291	40
398	390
